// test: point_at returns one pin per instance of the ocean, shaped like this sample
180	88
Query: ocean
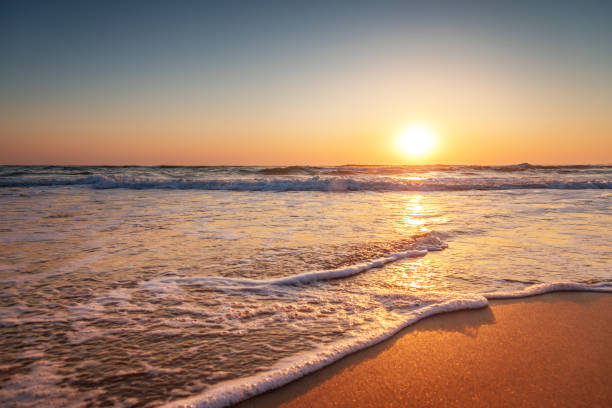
153	286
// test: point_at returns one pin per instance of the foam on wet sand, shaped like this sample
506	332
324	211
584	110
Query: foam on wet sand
548	350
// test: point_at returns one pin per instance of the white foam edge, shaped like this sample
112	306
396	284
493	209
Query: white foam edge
345	272
304	278
290	369
542	288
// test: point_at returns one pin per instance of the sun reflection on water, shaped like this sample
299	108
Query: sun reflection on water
414	212
415	274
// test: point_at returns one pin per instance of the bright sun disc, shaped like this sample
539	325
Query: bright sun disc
416	139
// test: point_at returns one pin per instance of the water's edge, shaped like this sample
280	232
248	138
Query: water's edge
292	368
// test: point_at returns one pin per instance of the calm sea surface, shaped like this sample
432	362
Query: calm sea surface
139	286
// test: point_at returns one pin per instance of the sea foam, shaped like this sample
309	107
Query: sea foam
299	279
543	288
315	183
289	369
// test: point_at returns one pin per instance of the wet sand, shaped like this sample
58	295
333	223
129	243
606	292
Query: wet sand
553	350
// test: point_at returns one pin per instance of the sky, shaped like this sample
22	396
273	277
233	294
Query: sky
310	83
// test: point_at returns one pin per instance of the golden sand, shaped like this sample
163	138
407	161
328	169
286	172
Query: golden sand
553	350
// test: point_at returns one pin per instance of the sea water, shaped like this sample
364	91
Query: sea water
203	286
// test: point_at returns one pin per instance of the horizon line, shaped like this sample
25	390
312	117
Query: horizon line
308	165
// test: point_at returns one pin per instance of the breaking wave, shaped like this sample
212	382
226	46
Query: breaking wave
407	169
315	183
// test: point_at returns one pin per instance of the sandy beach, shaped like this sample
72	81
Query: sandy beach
545	351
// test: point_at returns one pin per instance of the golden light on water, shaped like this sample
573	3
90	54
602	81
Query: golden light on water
414	212
416	139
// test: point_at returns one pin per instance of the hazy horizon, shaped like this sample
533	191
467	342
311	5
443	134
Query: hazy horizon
281	165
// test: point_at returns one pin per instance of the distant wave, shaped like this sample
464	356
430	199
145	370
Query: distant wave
289	170
192	172
381	170
315	183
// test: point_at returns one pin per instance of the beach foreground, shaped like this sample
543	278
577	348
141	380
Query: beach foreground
549	350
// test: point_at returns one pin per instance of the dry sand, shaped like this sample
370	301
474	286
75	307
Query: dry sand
553	350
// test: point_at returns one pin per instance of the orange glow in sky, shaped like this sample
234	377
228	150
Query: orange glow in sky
269	88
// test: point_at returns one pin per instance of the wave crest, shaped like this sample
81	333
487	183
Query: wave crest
315	183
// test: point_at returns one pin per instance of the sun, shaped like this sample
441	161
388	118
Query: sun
416	140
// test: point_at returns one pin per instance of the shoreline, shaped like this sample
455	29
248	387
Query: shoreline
545	350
